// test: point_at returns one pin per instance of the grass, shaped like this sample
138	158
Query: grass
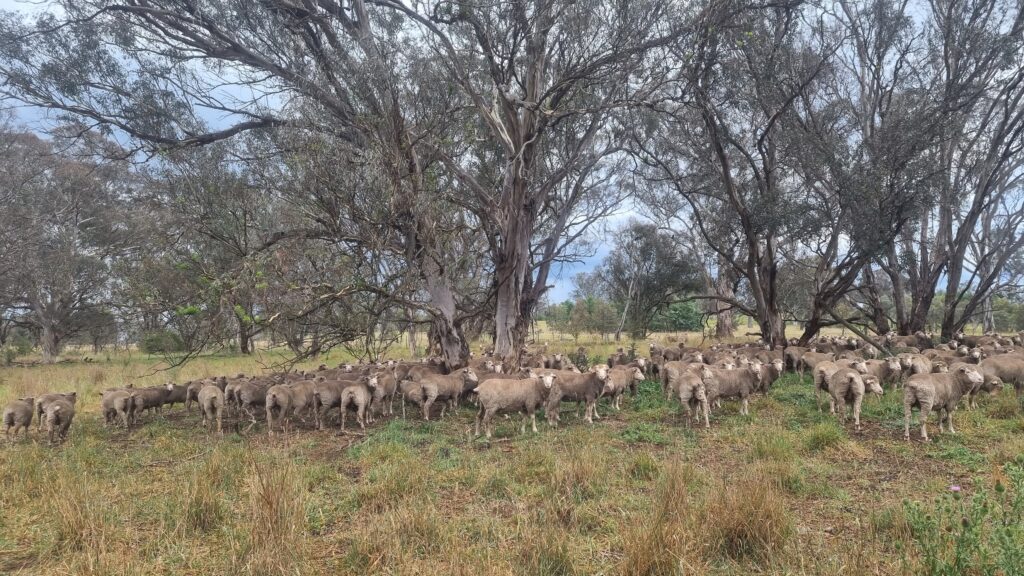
784	491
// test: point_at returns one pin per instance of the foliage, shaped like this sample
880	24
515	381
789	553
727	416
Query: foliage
979	534
679	317
161	342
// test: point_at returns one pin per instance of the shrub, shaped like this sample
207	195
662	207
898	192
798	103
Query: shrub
161	342
747	519
822	436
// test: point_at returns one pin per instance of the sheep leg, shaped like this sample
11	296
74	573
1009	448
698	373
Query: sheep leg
403	406
361	417
220	430
476	422
745	407
533	421
839	408
949	420
594	409
857	401
487	423
926	410
588	413
344	413
522	426
907	410
705	410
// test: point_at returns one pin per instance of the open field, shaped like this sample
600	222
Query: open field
786	491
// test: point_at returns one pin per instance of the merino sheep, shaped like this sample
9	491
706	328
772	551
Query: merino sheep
357	397
59	415
848	385
887	371
327	395
585	388
621	378
811	359
249	396
449	389
736	383
176	394
118	403
18	415
211	404
687	383
940	393
46	399
501	395
1004	369
150	398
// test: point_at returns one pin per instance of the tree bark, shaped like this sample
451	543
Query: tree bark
723	309
50	343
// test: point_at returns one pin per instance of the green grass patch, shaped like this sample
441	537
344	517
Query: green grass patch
644	433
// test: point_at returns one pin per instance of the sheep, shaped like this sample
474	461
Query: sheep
687	383
579	387
824	370
737	383
59	415
18	415
384	394
357	397
278	405
411	391
915	363
211	404
887	371
175	394
43	401
619	379
251	395
770	372
327	394
1004	369
151	398
117	403
812	359
192	389
510	395
447	388
938	392
848	384
791	357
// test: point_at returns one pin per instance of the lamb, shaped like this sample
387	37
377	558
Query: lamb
211	404
738	383
43	401
18	415
117	403
447	388
848	384
59	415
357	397
687	383
940	393
510	395
619	379
579	387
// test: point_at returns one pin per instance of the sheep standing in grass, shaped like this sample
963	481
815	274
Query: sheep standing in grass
848	385
584	388
687	383
175	394
18	415
940	393
500	395
738	383
448	389
211	404
1003	369
46	399
358	398
59	415
621	378
118	403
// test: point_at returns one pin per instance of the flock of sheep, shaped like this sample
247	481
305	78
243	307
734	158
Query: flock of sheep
933	377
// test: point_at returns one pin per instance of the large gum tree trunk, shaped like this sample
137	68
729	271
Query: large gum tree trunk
445	332
723	309
50	344
512	314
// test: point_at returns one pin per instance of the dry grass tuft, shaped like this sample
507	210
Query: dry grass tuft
276	520
746	518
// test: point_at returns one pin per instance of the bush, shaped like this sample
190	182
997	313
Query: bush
161	342
983	534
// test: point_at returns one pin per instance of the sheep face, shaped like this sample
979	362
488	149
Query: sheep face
872	385
975	354
548	380
169	387
940	368
778	365
893	365
973	376
601	371
469	375
371	382
642	362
